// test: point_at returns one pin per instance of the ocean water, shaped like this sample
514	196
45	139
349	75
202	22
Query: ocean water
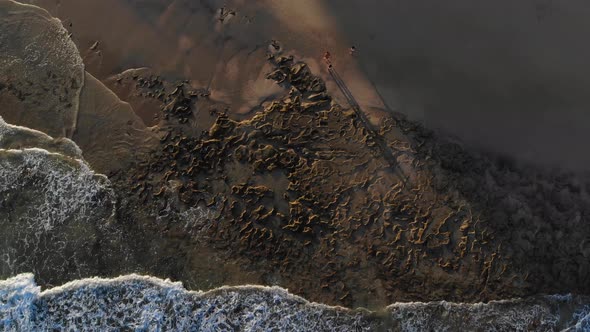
55	210
53	205
141	303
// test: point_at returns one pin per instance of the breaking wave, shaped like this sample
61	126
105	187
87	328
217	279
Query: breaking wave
63	205
143	303
54	209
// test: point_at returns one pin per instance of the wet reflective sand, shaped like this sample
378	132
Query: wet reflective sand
231	161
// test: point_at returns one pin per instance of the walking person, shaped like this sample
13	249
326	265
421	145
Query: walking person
328	59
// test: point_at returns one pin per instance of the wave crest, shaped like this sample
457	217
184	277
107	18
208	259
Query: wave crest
152	304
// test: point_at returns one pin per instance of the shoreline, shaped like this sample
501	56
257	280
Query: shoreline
296	192
75	305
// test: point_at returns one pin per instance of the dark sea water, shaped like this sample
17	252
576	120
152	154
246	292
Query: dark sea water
64	188
56	213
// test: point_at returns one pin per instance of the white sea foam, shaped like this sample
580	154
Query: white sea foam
144	303
64	187
196	220
67	190
150	304
53	208
16	299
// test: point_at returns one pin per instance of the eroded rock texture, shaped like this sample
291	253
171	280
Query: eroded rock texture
304	193
299	192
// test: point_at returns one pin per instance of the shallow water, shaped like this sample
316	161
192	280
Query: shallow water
63	221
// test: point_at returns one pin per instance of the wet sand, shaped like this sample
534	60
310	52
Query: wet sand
305	196
283	184
498	75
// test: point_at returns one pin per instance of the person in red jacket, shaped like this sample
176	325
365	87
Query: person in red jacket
327	58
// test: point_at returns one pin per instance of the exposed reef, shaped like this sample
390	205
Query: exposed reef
298	192
303	193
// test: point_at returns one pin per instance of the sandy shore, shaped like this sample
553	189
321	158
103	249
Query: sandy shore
231	166
497	75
